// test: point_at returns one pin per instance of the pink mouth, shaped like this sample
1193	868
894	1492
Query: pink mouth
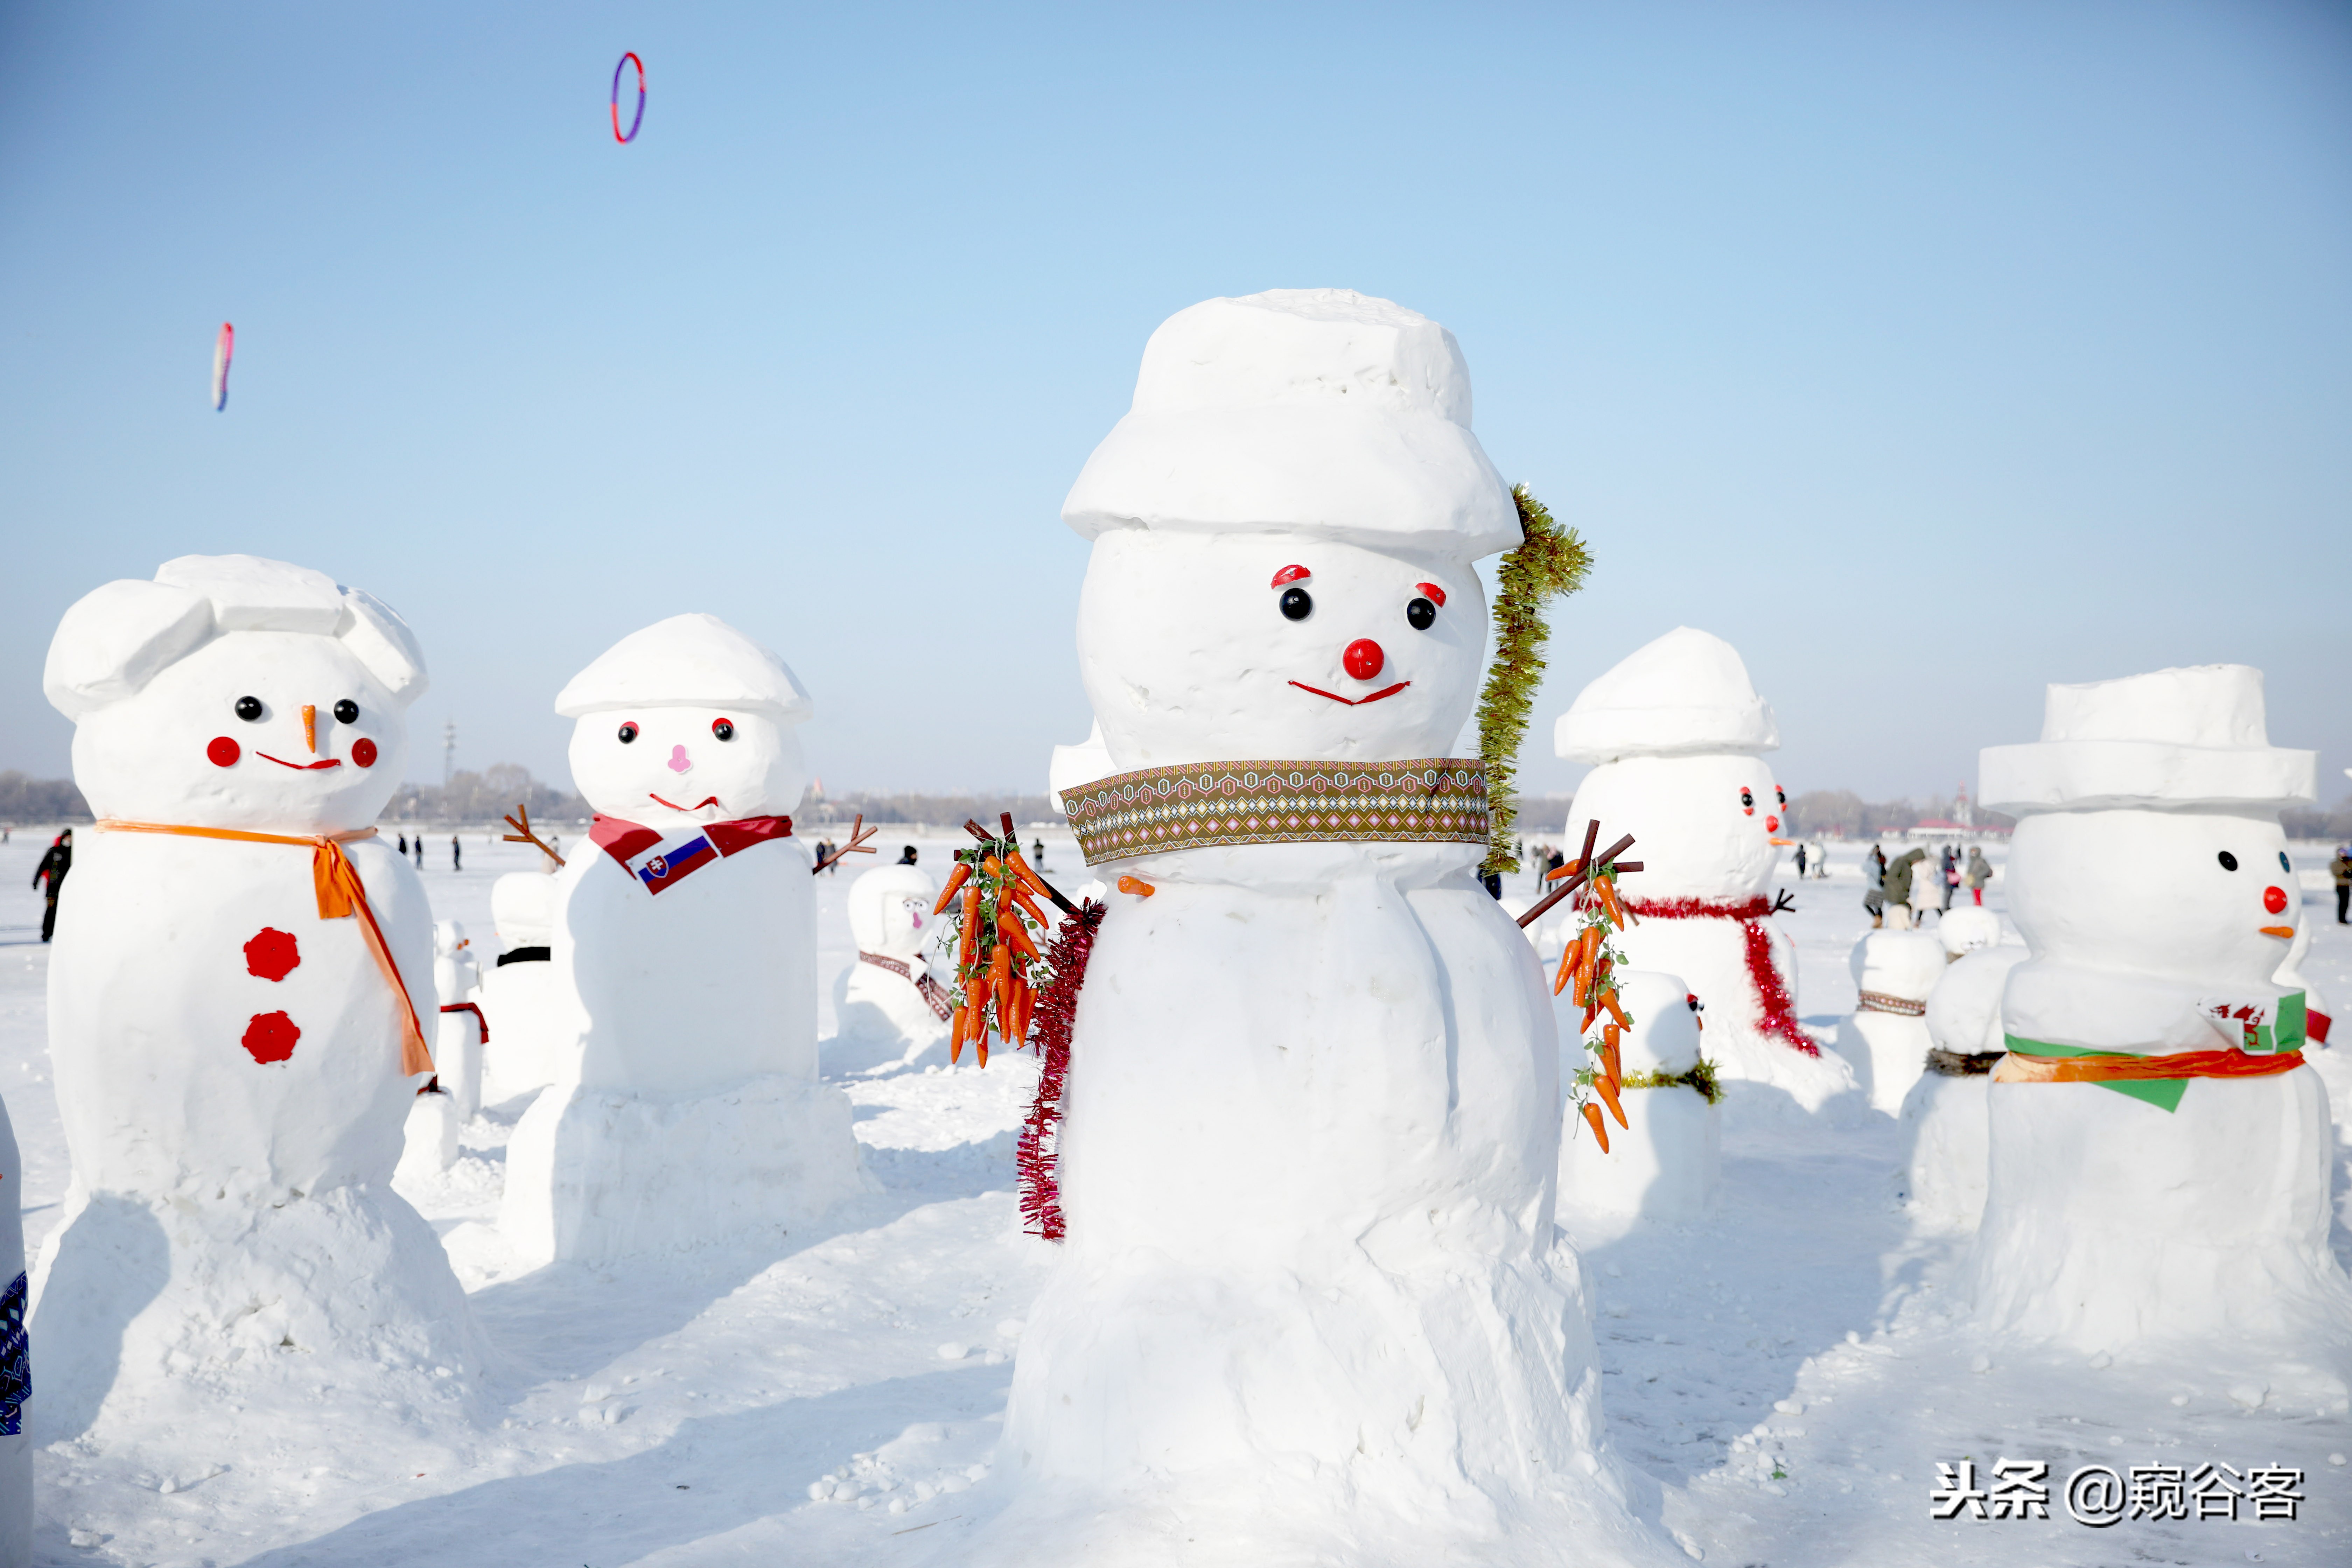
302	767
706	799
1354	701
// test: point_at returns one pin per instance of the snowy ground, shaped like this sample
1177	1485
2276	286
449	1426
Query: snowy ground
1792	1370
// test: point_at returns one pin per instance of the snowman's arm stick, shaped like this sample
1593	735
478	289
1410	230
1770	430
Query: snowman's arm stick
859	834
523	834
985	836
1582	872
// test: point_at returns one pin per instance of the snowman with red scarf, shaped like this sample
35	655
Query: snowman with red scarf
684	959
1677	733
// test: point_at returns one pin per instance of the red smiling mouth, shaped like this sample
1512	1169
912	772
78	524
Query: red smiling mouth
302	767
706	799
1354	701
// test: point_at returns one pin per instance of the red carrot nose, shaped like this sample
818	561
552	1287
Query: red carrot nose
2274	899
1771	824
1363	658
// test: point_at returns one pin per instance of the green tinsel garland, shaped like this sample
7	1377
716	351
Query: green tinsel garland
1701	1078
1549	560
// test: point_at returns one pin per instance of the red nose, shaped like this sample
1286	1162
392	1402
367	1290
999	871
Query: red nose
1771	824
2274	899
1363	658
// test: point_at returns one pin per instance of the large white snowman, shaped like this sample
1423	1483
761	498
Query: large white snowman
684	955
1676	736
2159	1160
16	1361
889	1010
1310	1308
238	999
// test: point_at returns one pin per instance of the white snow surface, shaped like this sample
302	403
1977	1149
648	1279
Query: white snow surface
1791	1367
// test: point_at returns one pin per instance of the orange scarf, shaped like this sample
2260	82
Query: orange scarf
340	892
2108	1068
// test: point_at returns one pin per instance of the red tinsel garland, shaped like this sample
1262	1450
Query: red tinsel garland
1039	1149
1779	1008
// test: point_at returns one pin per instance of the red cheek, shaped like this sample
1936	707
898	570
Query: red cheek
1746	811
364	751
2274	899
223	751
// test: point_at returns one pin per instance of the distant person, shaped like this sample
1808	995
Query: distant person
55	861
456	854
1554	861
418	849
2341	869
823	852
1801	859
907	855
1873	885
1040	855
403	845
1947	877
1979	873
1896	887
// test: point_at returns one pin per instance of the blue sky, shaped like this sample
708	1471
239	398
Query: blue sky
1928	353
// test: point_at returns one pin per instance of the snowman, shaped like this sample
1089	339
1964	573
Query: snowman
1310	1307
1676	736
16	1361
1885	1040
889	1010
450	1100
236	1010
2159	1156
1942	1120
534	1042
1664	1166
689	1109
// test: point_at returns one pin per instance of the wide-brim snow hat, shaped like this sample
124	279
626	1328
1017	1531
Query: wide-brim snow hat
1684	694
1319	410
2177	738
687	661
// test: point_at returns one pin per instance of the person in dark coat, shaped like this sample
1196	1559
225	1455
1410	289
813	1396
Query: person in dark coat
2341	869
418	847
54	864
1800	862
1979	873
403	845
1874	883
1896	886
456	854
906	854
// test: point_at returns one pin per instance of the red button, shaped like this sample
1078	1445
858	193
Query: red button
1363	658
271	1036
272	953
2274	899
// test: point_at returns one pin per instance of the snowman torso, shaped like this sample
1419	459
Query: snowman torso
212	1030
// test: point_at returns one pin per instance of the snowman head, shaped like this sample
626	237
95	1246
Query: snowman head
683	722
1283	525
1677	734
2148	837
890	910
233	691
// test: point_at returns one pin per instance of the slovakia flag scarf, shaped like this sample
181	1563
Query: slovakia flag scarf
663	862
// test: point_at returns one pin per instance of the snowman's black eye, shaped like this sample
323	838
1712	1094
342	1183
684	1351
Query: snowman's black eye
723	728
249	709
2283	864
1746	799
628	733
1298	603
1781	792
2228	862
1421	614
347	712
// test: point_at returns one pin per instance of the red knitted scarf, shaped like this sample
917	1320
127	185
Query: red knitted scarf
1779	1008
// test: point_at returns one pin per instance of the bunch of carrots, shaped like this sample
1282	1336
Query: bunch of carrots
992	897
1587	964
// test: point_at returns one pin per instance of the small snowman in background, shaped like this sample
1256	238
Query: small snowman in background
535	1040
1943	1116
454	1095
15	1361
684	956
1665	1164
2159	1156
1309	1306
1676	736
238	1001
889	1011
1886	1039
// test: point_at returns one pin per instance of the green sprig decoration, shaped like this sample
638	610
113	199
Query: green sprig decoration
1550	559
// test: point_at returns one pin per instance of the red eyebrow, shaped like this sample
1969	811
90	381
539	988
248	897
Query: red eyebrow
1290	575
1434	591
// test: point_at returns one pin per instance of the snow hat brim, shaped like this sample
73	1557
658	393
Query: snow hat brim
2173	738
1683	694
687	661
1308	410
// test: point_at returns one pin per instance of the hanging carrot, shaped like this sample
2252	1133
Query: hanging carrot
956	879
1600	1129
1608	1091
1609	1000
970	939
1010	924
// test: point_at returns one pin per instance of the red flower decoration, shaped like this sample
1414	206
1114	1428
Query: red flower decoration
271	954
271	1036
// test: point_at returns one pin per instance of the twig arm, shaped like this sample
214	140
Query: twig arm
859	834
523	834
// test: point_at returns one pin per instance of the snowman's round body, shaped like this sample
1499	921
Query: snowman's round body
887	1006
1307	1308
15	1361
1886	1038
1665	1164
1942	1114
457	1053
684	956
531	1040
230	1063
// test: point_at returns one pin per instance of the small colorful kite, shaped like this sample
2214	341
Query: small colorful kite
222	347
626	60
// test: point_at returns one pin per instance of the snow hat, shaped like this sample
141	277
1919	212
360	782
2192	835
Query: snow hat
122	635
1683	694
1903	964
2174	738
1316	410
687	661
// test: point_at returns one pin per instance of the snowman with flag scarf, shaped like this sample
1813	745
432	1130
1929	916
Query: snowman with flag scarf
2158	1171
683	960
1312	1304
238	1002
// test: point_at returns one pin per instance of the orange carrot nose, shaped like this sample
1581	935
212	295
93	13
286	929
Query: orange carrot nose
311	728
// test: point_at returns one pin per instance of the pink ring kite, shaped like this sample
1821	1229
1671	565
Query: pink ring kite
222	347
631	58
